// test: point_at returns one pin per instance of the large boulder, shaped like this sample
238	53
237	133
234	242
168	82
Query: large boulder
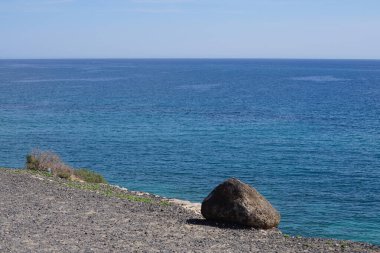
236	202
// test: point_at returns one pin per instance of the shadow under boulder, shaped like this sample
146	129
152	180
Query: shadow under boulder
217	224
236	202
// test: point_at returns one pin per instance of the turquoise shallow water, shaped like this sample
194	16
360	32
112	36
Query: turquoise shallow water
305	133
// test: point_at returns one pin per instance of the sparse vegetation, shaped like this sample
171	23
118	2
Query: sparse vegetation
32	172
344	245
63	174
164	203
49	164
110	191
89	176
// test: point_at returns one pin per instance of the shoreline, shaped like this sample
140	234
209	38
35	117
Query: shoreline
48	214
186	204
191	206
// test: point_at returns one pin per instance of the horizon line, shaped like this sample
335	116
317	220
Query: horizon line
190	58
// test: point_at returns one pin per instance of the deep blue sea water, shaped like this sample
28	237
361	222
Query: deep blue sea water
305	133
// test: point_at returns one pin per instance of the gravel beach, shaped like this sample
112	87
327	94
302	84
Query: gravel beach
38	214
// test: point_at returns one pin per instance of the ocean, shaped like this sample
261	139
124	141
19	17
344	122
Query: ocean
304	133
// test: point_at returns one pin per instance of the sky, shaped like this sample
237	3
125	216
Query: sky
322	29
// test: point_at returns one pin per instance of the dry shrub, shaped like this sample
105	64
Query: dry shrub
48	161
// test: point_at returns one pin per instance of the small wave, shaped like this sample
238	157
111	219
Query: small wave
321	79
198	87
67	80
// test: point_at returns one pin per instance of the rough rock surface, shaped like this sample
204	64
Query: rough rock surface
236	202
39	215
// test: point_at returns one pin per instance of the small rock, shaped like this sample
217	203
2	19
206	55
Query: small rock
236	202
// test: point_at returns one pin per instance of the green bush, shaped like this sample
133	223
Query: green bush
63	174
89	176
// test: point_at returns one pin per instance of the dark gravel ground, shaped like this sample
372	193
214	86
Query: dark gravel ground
38	214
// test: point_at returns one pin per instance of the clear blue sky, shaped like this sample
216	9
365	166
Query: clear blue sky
190	28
